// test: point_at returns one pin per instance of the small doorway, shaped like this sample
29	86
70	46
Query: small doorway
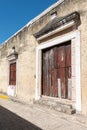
12	76
56	71
12	73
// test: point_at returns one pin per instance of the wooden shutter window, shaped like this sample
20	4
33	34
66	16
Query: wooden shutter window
12	79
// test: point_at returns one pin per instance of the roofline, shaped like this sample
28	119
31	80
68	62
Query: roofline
34	19
45	12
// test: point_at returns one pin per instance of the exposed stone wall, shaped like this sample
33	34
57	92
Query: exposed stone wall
25	44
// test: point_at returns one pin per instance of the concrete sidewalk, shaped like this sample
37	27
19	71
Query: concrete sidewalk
45	118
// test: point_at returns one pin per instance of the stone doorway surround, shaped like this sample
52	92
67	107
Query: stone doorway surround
74	37
12	58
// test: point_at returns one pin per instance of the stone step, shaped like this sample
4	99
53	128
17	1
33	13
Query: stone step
56	105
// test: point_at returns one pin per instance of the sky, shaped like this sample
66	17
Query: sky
14	14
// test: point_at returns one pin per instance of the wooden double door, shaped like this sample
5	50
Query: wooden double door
56	71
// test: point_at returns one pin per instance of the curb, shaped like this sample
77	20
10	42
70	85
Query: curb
3	96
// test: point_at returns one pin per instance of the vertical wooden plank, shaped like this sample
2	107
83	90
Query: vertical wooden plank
68	83
43	73
68	71
61	69
69	88
61	56
48	74
55	49
59	87
62	82
55	72
54	82
51	66
46	86
68	54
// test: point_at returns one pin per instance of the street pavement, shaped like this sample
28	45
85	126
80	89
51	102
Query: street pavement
11	121
18	116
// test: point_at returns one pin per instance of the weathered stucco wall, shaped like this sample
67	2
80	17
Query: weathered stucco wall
4	76
67	7
79	6
25	44
26	71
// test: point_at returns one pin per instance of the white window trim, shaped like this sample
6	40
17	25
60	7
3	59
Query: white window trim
73	35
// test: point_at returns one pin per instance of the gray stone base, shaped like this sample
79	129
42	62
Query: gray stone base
56	105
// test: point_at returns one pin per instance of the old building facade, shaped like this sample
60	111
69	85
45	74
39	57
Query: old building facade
48	57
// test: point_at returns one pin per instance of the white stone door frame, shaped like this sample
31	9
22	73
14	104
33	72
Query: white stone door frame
74	37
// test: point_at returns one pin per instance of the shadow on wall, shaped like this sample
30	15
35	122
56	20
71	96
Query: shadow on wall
10	121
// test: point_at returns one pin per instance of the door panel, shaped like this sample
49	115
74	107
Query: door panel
68	55
12	79
55	82
62	82
56	73
68	82
61	56
55	51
